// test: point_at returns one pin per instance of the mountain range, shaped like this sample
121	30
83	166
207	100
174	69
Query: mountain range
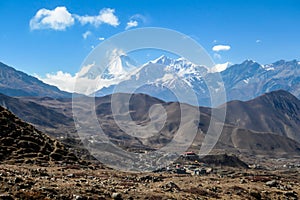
251	79
167	78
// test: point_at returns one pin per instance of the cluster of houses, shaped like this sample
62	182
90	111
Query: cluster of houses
189	163
189	166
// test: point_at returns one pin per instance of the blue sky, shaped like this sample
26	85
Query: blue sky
265	31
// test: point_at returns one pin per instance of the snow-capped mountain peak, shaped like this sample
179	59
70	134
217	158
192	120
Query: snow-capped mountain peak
120	66
161	75
181	66
163	60
249	61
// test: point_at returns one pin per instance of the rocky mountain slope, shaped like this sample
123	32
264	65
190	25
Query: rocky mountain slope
17	83
277	112
22	143
31	110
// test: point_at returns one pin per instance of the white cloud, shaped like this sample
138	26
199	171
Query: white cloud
85	69
60	79
69	83
217	48
57	19
106	16
131	23
60	19
86	34
135	20
101	38
258	41
81	82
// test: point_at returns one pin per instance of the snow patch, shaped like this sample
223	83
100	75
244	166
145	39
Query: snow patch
268	67
246	80
220	67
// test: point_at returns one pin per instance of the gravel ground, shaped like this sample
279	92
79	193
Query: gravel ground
78	182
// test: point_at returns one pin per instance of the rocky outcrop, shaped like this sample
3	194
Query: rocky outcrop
22	143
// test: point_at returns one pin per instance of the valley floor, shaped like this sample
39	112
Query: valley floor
77	182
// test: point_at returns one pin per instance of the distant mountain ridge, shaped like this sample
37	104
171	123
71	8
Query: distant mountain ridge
250	79
266	125
243	81
17	83
161	77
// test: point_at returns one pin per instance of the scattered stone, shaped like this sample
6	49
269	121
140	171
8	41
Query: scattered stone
272	183
116	196
291	194
18	180
78	197
256	195
6	197
243	181
70	175
25	186
170	187
149	178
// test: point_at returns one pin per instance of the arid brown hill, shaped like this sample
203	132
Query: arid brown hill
275	112
250	126
22	143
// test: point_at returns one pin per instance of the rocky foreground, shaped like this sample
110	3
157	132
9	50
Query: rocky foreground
75	182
